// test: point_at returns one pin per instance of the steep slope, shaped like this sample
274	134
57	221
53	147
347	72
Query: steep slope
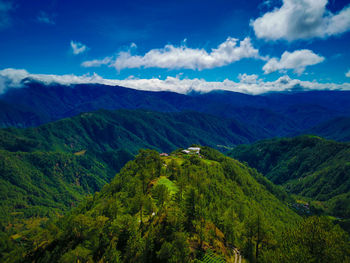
45	183
47	169
128	129
335	129
165	209
307	165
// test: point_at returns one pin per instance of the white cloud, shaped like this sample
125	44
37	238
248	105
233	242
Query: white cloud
297	60
5	8
183	57
43	17
97	62
301	19
347	74
77	47
250	84
249	79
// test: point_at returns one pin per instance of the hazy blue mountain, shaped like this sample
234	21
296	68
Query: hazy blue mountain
336	129
272	114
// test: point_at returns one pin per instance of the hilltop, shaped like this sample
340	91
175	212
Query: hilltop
156	209
50	168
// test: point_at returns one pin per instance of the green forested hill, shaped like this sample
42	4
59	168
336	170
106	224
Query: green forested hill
49	168
307	165
165	209
127	129
44	183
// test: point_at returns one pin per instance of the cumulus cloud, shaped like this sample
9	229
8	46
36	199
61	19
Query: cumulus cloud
43	17
347	74
301	19
5	8
183	57
249	79
250	84
297	60
77	47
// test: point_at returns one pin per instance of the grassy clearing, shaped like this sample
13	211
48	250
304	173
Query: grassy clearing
169	184
82	152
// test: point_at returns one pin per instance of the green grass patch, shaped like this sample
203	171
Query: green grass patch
210	257
169	184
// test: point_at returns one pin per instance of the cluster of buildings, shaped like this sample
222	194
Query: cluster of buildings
192	150
189	150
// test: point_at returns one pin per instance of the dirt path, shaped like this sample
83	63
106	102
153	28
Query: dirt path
238	257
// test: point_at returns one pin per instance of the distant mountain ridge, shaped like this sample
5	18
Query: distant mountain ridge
336	129
273	114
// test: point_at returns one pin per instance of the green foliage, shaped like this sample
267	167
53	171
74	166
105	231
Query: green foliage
316	239
45	183
140	217
308	166
48	169
210	257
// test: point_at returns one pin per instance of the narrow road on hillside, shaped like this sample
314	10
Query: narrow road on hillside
238	257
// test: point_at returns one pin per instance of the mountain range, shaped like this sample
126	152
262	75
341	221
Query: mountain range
72	190
76	156
269	115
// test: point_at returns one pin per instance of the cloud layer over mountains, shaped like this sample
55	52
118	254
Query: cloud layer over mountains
250	84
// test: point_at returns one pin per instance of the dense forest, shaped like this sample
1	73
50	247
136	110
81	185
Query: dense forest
180	208
308	166
177	208
175	131
50	168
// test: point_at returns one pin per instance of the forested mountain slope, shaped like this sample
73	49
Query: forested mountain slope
165	209
48	169
335	129
307	165
127	129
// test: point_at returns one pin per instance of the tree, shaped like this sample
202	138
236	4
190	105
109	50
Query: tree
317	240
256	233
161	194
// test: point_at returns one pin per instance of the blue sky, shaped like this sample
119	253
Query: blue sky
241	41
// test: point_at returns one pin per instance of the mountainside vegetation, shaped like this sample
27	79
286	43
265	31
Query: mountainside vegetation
48	169
308	166
180	208
164	209
127	129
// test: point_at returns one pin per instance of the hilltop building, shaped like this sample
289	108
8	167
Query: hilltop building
192	150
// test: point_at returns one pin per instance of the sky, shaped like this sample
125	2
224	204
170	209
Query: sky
247	46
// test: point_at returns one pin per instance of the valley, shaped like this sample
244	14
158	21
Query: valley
70	186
